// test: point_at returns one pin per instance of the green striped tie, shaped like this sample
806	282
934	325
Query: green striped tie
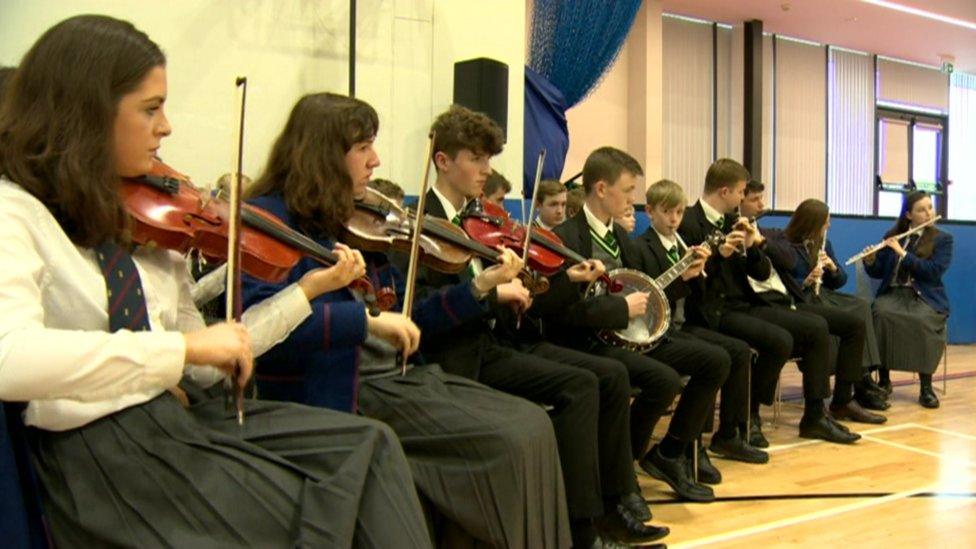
673	254
608	242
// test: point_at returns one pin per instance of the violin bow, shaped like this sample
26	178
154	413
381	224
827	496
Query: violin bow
414	264
233	308
529	221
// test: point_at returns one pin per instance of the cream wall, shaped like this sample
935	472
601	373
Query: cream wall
405	55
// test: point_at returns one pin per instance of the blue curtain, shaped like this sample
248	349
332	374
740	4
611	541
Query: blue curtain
574	42
545	128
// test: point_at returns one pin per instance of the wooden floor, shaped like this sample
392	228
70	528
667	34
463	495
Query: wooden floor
909	482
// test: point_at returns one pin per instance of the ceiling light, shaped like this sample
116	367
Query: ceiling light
922	13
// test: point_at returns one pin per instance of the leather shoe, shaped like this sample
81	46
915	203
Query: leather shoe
867	383
870	400
674	472
601	543
852	411
826	429
636	505
736	449
756	437
886	387
707	472
927	398
621	526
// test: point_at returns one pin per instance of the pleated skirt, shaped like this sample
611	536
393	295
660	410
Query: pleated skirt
487	461
159	475
862	308
911	334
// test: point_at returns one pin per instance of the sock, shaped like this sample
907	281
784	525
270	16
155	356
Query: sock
583	532
925	380
813	409
671	447
843	392
883	375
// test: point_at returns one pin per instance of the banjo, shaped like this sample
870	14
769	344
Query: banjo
645	332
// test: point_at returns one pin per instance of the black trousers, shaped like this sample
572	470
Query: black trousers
777	334
574	394
852	331
615	455
734	406
658	375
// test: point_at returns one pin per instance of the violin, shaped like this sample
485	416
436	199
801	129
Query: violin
379	224
491	225
168	211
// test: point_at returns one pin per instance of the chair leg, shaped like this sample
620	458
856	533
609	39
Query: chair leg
945	369
694	459
777	400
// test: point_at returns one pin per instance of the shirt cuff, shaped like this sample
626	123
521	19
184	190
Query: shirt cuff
164	359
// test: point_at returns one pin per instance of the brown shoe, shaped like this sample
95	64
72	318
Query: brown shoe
852	411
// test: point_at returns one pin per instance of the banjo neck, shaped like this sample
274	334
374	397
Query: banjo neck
672	274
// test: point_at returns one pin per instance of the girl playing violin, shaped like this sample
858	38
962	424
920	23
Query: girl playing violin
496	451
95	338
911	306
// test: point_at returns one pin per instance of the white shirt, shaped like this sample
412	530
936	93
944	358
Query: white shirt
599	227
711	214
55	348
668	242
450	211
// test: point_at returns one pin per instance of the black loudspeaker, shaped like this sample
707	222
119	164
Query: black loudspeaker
482	85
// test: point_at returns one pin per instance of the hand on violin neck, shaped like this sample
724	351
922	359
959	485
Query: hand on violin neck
505	270
350	266
587	271
397	330
515	295
226	346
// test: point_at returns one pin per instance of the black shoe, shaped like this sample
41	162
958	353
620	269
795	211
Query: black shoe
927	398
601	543
735	448
827	429
636	505
870	400
707	472
621	526
852	411
885	386
756	437
867	384
674	471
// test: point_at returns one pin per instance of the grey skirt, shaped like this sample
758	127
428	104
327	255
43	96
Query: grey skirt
862	308
487	461
911	335
159	475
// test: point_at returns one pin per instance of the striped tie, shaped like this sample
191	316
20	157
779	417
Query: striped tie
126	303
608	242
673	254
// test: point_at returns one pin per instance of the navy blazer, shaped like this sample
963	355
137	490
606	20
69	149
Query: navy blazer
793	258
926	273
318	364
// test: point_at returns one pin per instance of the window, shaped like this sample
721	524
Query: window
910	155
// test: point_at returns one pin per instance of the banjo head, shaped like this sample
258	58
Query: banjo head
643	332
